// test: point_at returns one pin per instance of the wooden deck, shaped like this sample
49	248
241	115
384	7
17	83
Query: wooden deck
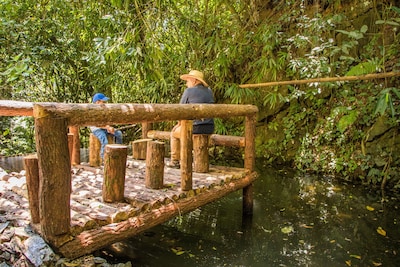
67	206
95	223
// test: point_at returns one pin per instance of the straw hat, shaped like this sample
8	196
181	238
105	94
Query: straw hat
198	75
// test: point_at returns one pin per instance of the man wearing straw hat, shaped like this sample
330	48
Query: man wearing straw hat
197	91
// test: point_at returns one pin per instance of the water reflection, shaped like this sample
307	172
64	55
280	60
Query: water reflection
298	220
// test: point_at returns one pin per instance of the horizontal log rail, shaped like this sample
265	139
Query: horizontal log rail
215	139
15	108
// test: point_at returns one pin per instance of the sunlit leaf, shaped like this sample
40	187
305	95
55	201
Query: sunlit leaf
356	256
376	263
370	208
381	231
178	251
348	263
70	264
287	229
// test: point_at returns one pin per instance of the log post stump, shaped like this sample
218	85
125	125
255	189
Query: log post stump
76	151
139	148
200	153
94	149
114	172
32	183
70	145
155	165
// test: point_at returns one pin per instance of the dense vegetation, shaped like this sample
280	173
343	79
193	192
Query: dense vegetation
135	50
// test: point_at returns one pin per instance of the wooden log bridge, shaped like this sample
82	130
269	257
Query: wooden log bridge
66	201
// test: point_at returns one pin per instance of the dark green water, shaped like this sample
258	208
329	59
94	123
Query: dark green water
298	220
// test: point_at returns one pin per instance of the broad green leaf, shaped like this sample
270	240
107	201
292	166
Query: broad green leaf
347	120
362	69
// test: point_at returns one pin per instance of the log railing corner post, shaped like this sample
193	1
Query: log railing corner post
186	155
54	174
249	161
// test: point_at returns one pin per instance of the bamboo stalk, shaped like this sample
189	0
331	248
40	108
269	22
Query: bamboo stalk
327	79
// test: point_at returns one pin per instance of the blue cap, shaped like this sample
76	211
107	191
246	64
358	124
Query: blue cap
100	96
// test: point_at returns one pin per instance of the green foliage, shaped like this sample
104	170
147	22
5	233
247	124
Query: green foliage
135	51
386	101
16	136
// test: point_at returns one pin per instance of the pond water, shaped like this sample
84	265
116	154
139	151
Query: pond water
298	220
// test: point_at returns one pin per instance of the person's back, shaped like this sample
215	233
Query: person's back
197	92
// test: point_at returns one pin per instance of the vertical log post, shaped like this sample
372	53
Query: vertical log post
249	161
155	165
76	151
55	174
186	155
200	152
70	145
139	148
114	172
32	183
146	127
94	151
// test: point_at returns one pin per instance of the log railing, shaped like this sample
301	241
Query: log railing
52	121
